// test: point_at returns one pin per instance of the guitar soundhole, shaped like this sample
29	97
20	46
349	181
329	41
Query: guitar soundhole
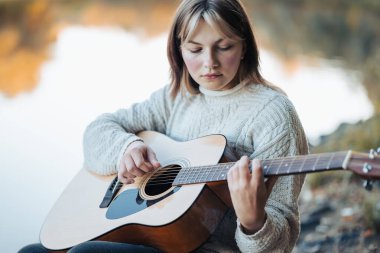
162	180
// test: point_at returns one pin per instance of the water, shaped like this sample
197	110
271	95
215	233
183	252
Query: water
96	70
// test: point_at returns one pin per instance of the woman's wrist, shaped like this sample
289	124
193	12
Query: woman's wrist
254	227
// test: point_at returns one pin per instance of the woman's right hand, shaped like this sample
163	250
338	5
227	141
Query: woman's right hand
137	160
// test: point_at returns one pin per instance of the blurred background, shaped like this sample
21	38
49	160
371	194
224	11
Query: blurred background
64	62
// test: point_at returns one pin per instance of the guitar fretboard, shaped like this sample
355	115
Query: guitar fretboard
277	166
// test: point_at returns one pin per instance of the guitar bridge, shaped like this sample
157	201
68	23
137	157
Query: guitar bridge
111	192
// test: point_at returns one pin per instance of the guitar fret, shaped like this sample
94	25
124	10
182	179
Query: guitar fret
285	165
315	163
323	162
302	164
209	173
329	163
199	175
203	174
221	175
291	164
227	167
199	172
224	173
267	167
339	159
295	165
214	170
193	176
207	176
213	175
278	166
187	175
181	177
178	178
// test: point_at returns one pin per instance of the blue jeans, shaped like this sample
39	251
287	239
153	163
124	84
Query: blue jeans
95	247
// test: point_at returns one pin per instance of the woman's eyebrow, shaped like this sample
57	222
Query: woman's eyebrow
197	43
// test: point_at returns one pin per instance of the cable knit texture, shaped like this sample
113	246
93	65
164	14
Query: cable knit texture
256	120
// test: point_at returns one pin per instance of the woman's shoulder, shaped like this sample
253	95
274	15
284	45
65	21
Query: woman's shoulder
270	98
267	91
162	91
161	95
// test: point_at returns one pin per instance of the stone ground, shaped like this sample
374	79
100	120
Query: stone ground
334	218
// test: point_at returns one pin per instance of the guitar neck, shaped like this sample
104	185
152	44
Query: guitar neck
271	167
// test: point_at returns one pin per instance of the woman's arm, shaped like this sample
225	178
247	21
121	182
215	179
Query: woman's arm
278	231
106	138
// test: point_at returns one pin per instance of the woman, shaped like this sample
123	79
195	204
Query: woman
216	88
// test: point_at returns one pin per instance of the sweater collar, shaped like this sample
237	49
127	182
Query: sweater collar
219	93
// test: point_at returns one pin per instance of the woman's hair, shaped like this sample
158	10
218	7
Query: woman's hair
229	18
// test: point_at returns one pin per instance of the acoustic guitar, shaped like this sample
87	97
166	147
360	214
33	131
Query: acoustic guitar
176	207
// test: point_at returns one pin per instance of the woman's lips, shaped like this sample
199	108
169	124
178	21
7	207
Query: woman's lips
212	76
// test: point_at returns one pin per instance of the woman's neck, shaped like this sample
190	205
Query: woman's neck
218	93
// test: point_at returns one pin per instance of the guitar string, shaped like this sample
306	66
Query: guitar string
169	171
169	174
295	161
169	178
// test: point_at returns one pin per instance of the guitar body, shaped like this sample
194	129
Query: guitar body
170	218
172	208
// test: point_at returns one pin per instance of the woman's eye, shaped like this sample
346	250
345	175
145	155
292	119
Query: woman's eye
195	50
224	48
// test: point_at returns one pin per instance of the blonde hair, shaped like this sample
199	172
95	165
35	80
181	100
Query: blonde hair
229	18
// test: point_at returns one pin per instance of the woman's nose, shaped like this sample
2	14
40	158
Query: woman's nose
210	60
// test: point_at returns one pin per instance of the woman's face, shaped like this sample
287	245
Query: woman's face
212	60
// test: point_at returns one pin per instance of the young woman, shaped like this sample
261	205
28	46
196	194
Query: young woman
215	88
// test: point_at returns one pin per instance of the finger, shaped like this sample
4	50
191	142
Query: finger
140	161
132	168
232	175
126	180
244	165
256	168
125	177
121	171
257	172
152	158
255	164
234	171
243	172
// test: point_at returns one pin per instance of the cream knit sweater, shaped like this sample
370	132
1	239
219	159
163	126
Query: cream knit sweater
256	120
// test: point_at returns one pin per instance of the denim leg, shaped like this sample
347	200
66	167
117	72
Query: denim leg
95	247
33	248
111	247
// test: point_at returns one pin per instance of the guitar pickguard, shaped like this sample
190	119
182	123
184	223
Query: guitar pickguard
130	202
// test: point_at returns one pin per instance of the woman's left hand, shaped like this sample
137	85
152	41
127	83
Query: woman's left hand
249	193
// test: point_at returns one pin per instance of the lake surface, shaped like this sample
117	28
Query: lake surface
97	70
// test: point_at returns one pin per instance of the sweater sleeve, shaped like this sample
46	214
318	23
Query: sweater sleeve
279	133
106	138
